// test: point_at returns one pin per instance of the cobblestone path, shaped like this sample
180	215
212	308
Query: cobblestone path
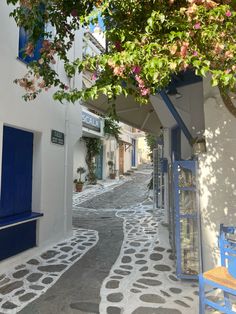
28	281
143	280
130	269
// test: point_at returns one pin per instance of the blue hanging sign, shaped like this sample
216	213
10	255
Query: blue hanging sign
91	122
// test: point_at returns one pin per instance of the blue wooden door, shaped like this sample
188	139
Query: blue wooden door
99	165
16	183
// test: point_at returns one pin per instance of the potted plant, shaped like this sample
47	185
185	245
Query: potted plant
79	183
112	172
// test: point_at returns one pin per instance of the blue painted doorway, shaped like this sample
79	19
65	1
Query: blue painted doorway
99	164
16	183
133	163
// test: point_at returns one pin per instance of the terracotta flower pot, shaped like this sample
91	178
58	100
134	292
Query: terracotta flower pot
79	187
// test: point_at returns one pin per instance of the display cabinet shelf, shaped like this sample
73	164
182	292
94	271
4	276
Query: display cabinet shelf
186	220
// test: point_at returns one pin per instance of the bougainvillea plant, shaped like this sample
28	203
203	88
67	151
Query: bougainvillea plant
148	41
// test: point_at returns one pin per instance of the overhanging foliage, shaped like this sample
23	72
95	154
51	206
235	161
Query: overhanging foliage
148	42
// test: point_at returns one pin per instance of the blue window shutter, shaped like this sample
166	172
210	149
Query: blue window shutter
23	41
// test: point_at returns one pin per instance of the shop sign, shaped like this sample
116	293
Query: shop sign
91	122
57	137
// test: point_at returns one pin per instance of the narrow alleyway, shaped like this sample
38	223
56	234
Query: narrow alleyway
129	270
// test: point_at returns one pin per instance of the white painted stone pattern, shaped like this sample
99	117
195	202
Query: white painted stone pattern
143	277
28	281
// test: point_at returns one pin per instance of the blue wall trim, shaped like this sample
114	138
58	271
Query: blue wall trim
8	221
176	116
16	239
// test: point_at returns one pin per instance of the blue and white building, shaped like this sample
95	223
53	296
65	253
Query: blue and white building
36	156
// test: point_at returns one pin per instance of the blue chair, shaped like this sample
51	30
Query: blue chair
223	277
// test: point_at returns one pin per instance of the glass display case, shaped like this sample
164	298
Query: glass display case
158	177
186	220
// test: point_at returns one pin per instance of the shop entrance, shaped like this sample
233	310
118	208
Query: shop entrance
133	161
99	164
121	158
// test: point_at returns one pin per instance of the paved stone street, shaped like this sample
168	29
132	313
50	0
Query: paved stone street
128	271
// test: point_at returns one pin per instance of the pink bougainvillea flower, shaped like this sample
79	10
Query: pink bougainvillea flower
41	84
218	48
136	69
229	54
119	70
145	91
228	13
94	77
197	26
66	87
195	53
140	81
184	49
30	50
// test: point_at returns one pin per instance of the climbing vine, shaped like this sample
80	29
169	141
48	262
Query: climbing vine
111	127
93	146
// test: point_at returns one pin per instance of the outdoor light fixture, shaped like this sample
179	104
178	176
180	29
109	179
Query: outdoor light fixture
199	147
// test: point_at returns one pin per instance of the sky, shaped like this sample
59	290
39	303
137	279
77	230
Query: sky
100	23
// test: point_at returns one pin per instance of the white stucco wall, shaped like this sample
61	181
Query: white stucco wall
110	152
53	164
80	151
217	173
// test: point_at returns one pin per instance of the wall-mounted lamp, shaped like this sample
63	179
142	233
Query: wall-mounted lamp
199	146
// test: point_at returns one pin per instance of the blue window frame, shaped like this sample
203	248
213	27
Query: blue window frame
23	41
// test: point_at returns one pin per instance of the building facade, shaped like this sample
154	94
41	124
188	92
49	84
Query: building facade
123	154
198	181
36	156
